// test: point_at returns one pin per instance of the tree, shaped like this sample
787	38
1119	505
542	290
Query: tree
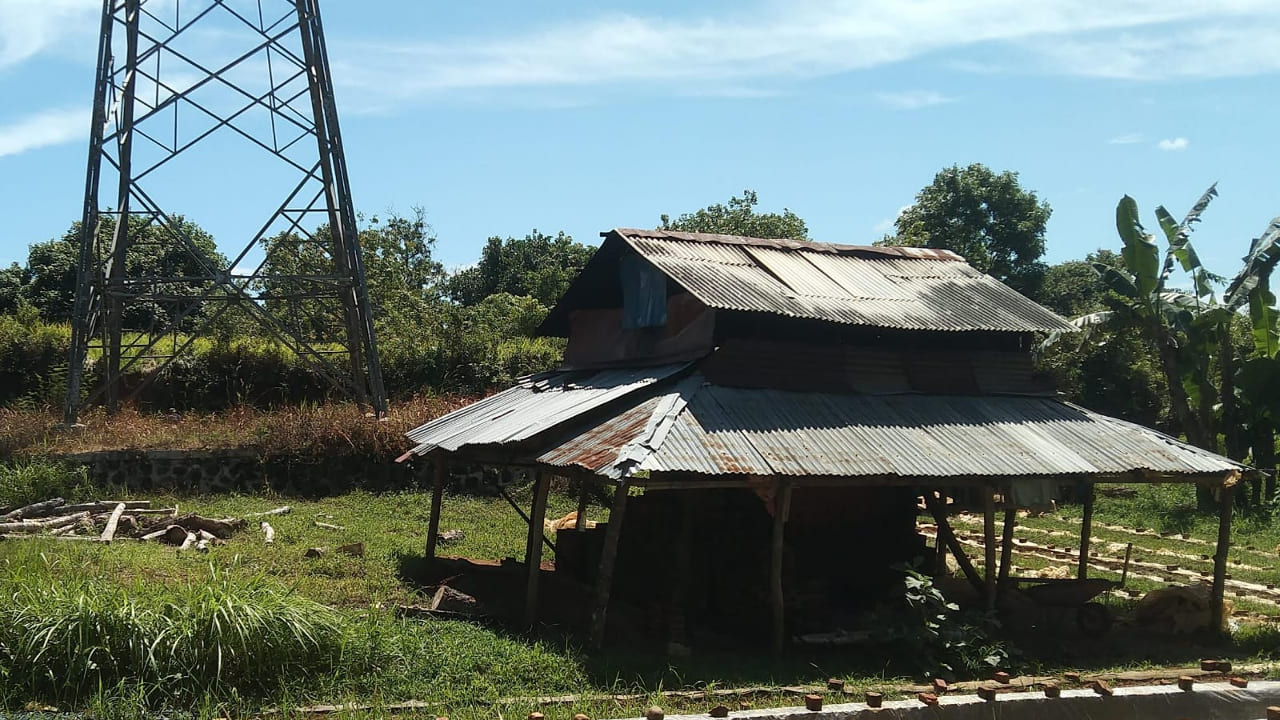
538	266
49	282
739	217
984	216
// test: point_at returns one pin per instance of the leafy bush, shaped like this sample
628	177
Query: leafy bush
33	358
935	635
27	480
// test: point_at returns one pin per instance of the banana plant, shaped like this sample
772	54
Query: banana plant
1181	324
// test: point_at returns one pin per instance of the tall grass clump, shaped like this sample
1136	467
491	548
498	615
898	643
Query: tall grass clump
31	479
66	638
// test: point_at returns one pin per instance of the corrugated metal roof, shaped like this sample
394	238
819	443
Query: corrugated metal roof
539	403
904	288
771	432
662	420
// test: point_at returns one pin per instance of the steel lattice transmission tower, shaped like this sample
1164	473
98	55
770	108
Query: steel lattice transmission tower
181	86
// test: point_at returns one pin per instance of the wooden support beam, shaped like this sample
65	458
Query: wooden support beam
525	517
1006	546
437	502
1086	532
939	511
584	499
1226	501
533	546
608	554
781	510
989	548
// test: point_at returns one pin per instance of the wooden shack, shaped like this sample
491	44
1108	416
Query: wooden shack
764	416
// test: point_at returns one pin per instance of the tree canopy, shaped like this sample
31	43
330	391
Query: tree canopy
739	217
983	215
537	265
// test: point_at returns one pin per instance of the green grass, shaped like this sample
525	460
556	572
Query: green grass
118	598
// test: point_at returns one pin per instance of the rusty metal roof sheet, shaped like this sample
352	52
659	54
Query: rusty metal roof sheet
669	419
904	288
771	432
537	404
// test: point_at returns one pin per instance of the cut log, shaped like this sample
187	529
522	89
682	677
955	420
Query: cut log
202	545
206	535
176	535
35	526
449	536
222	527
33	536
314	552
106	506
268	532
190	541
34	510
353	549
109	531
283	510
328	526
156	534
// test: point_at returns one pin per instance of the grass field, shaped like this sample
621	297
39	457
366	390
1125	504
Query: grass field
466	670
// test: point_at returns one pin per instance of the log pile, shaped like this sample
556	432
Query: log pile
112	520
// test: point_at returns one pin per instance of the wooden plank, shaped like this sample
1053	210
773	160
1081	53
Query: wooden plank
989	548
110	531
608	555
1006	545
584	499
1086	532
1226	501
781	509
533	546
939	512
437	500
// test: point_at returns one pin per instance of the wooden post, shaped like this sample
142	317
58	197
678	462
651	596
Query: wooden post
608	554
1086	530
533	546
1220	557
989	546
437	500
584	497
939	556
939	511
781	509
1006	545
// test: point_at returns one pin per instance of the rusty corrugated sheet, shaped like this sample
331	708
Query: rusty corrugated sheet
660	420
770	432
904	288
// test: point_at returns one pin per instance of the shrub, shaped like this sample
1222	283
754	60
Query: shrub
27	480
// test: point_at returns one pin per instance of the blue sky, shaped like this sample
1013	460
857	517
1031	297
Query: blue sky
499	117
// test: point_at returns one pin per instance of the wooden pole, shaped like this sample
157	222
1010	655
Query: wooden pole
112	522
939	512
584	497
1220	557
437	500
781	509
533	546
989	547
1086	531
1006	545
608	554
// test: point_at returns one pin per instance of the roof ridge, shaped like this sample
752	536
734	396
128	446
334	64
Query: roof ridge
912	253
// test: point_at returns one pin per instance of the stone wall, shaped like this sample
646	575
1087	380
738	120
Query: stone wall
245	471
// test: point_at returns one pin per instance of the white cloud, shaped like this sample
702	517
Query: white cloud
28	27
779	41
1127	139
49	127
887	224
1175	144
913	99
